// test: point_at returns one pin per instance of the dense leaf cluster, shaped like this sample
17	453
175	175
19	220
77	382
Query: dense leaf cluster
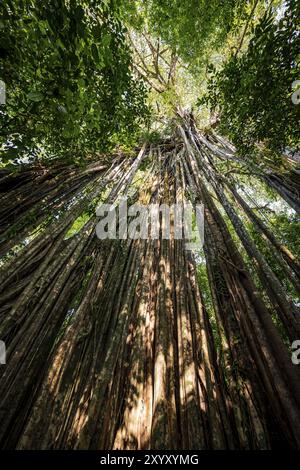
253	91
193	26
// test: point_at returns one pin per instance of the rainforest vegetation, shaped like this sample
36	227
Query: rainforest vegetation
143	343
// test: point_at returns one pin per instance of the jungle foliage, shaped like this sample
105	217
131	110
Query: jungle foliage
252	92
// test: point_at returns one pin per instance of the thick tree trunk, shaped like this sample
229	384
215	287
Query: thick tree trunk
113	344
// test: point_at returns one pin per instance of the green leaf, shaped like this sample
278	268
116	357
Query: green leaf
35	96
106	40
